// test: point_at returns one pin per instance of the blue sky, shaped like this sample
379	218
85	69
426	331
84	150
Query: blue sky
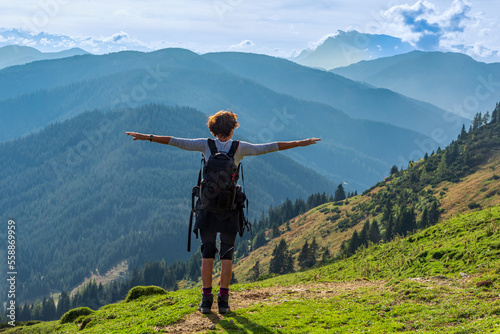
280	28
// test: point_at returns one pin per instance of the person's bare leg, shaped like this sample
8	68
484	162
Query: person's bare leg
206	277
225	273
207	266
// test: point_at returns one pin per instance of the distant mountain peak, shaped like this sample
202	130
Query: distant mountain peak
348	47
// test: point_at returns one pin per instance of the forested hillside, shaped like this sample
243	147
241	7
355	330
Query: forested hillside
85	196
463	177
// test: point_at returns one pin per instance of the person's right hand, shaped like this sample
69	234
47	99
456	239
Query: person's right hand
309	141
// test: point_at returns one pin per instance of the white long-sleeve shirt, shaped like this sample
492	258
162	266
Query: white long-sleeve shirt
244	149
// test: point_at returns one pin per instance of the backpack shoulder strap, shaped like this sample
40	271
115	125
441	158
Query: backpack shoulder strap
211	145
234	147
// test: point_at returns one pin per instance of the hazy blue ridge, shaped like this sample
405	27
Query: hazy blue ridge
356	151
356	99
12	55
452	81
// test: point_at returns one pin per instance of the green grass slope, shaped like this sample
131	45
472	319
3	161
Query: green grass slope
441	279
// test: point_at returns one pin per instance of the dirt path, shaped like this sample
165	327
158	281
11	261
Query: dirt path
199	323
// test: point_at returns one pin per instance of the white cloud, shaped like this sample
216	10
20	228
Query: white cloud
456	28
242	45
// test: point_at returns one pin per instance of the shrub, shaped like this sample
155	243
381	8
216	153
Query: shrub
85	323
344	224
265	276
73	314
333	218
474	205
139	291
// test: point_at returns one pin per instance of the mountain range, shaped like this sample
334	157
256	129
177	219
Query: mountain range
11	55
353	150
49	42
357	100
452	81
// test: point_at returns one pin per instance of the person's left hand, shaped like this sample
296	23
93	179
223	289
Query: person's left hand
138	136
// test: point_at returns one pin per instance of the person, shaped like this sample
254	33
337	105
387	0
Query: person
222	126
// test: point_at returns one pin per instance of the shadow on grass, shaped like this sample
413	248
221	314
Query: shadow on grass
241	324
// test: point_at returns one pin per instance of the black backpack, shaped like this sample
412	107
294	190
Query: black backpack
218	191
220	178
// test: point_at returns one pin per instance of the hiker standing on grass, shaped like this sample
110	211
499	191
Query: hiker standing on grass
210	222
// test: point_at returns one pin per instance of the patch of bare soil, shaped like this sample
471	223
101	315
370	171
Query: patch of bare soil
199	323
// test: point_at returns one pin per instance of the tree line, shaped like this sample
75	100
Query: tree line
406	206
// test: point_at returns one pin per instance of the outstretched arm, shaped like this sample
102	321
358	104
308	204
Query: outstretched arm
285	145
156	139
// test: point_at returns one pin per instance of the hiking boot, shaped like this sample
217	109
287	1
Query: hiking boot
206	304
223	303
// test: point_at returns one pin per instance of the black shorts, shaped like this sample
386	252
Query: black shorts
209	248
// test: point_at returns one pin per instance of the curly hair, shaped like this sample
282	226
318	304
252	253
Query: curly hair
222	123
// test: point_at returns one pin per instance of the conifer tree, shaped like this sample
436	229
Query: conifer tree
25	314
339	193
48	309
63	304
433	214
388	220
374	232
259	240
389	229
353	243
281	261
495	114
463	133
477	122
37	310
363	235
168	281
424	220
326	256
408	223
486	118
394	170
313	251
233	279
304	256
256	270
442	170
